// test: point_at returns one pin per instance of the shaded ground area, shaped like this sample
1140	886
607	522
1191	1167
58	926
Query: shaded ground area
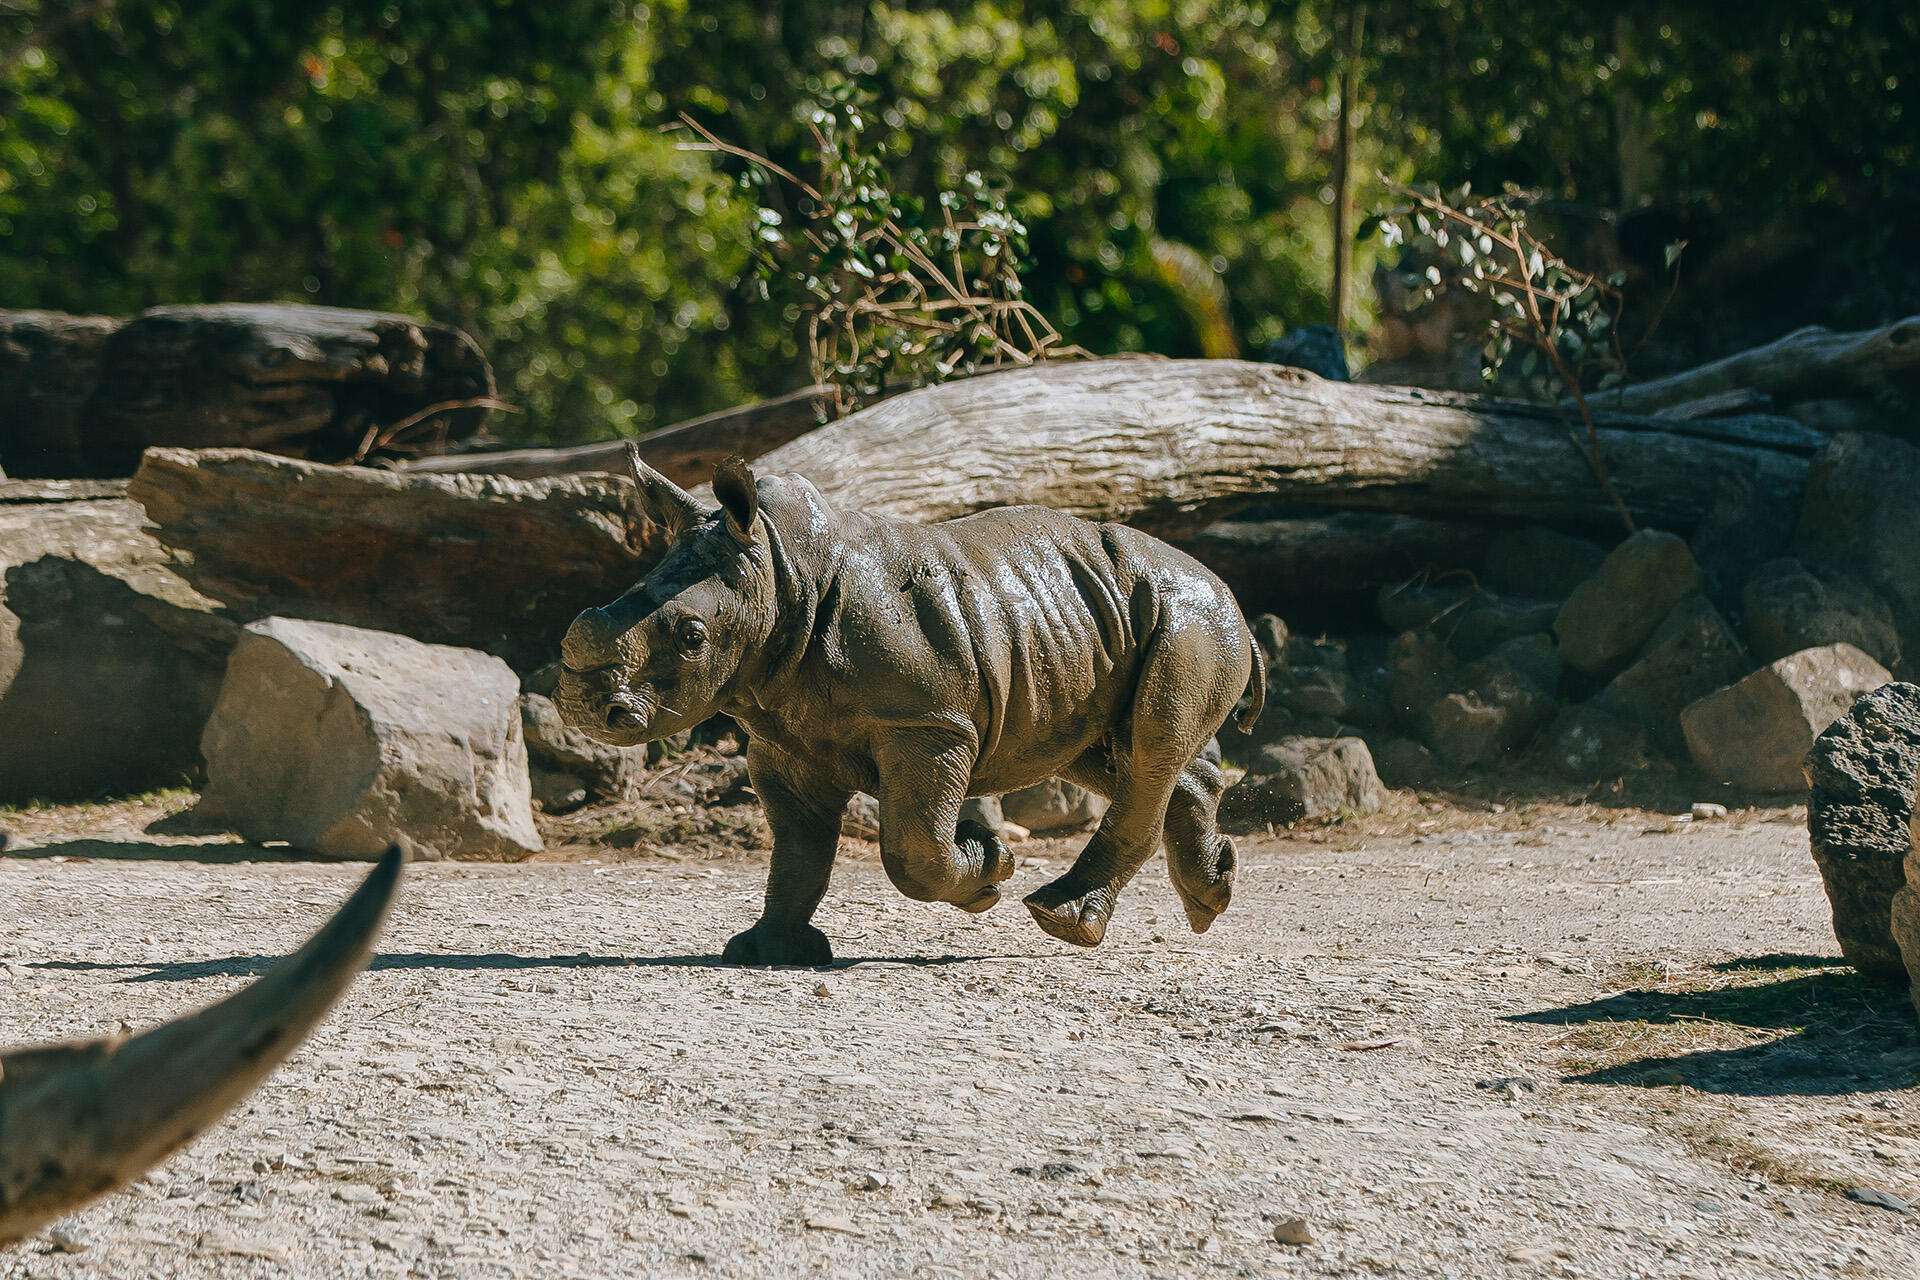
1544	1041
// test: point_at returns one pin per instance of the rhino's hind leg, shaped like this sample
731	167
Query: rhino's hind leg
1076	907
1200	861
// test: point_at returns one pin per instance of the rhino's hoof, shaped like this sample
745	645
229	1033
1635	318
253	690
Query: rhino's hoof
1074	921
1205	902
985	900
997	861
1201	915
799	946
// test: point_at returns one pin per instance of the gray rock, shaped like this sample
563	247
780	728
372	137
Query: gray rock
1270	633
1303	778
862	817
1403	763
1317	348
1539	562
1786	608
609	772
1756	733
1610	615
1053	805
1692	653
1587	743
1863	769
556	792
986	811
109	661
340	741
1861	518
1471	713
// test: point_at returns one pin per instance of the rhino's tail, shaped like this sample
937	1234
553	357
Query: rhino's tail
1256	690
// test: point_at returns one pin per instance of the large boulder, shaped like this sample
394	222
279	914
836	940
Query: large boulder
482	562
1053	806
1756	733
1691	653
1303	778
1787	608
109	660
1610	615
340	741
1861	518
1863	772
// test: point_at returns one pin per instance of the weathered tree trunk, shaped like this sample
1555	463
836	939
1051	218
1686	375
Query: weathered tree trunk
1274	565
85	394
685	453
480	561
1808	364
1172	445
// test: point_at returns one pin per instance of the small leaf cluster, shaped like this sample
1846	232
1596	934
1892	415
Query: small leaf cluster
891	290
1550	327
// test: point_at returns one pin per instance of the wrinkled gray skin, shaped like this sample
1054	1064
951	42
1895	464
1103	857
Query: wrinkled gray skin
924	664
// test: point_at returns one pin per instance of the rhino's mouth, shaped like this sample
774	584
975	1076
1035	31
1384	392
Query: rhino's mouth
625	714
611	712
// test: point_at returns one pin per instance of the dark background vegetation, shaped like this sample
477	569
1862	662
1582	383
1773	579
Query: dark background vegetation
502	166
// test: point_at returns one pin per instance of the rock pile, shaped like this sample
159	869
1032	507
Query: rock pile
1588	661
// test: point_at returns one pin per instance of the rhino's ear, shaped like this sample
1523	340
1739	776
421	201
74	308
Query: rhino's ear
739	497
663	502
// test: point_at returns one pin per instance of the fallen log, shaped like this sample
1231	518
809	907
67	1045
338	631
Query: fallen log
86	394
685	453
1172	445
1281	566
1808	364
486	562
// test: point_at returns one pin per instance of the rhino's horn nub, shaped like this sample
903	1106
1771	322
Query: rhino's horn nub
79	1120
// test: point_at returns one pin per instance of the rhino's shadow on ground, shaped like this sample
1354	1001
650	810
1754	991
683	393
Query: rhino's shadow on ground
1849	1034
255	965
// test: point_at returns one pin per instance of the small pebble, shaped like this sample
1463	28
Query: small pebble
1704	812
67	1240
822	990
1292	1231
1879	1199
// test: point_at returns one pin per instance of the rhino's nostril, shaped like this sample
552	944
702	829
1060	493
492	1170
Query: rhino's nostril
624	715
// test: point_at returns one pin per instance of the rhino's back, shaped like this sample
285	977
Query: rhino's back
1027	622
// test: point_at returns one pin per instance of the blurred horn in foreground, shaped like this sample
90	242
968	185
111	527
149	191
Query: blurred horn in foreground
79	1120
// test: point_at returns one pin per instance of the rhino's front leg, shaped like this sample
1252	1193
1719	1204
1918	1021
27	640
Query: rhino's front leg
804	812
929	854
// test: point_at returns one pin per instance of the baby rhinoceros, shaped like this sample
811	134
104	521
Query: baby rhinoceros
924	664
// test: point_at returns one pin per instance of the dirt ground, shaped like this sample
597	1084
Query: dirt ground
1549	1041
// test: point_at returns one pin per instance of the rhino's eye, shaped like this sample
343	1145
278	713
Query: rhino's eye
691	635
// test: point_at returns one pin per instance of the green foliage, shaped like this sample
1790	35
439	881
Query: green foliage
892	290
501	165
1551	329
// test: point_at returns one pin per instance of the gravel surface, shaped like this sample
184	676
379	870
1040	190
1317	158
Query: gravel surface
1576	1048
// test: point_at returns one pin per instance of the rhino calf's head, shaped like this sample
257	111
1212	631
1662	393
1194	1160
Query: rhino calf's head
670	652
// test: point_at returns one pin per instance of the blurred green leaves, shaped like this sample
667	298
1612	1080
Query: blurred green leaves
500	165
